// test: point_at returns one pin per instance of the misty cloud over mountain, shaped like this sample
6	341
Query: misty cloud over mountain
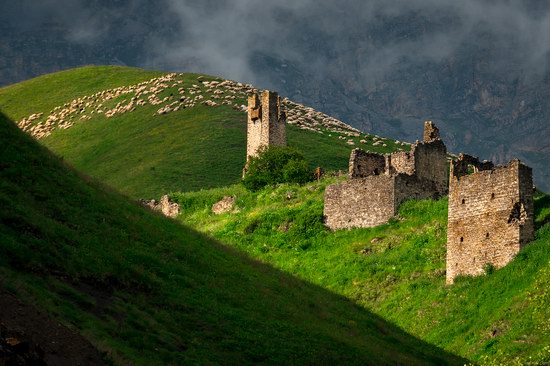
478	68
223	37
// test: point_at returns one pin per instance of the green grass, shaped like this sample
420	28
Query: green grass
161	274
396	270
45	92
145	155
148	290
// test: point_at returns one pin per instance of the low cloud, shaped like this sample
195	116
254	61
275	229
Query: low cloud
223	37
369	38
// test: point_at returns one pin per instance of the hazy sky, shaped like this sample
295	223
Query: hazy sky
222	37
372	63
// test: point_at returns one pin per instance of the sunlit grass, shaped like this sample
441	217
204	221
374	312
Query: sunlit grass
396	269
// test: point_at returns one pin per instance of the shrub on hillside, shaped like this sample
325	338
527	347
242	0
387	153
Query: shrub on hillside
276	165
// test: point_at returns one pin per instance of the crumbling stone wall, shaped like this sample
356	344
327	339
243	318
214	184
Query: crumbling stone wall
266	125
372	201
402	162
431	164
409	187
226	204
363	202
254	126
364	164
431	132
427	159
380	183
490	215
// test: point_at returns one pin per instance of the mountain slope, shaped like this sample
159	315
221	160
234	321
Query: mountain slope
396	270
479	67
148	290
149	136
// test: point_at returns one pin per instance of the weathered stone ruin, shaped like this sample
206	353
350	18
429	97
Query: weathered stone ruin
266	122
225	205
378	183
490	215
166	206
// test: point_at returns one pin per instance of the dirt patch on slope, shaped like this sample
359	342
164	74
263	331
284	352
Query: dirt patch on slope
30	337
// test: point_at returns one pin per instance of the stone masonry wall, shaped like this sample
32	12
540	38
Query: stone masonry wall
254	126
274	118
490	218
380	183
430	163
409	187
266	124
371	201
402	162
361	202
431	132
363	164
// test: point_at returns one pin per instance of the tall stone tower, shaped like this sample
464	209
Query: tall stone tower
266	122
490	215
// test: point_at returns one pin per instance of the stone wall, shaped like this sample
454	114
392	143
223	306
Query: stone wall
266	124
276	118
371	201
490	217
402	162
431	132
380	183
363	164
430	163
254	126
409	187
363	202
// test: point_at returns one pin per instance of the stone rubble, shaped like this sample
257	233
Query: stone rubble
166	206
225	205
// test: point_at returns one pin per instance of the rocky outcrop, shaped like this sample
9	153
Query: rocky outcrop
225	205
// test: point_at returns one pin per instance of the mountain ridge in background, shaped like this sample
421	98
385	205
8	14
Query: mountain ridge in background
478	68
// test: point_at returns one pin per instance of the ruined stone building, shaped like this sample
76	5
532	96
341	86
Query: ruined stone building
266	124
490	215
378	183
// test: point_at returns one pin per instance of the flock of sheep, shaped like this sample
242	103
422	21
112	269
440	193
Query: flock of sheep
171	94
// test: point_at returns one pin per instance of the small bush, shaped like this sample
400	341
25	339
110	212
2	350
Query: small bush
276	165
308	223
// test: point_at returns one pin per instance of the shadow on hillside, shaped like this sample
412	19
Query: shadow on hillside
388	332
260	297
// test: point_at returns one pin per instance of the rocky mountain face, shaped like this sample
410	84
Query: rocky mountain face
383	70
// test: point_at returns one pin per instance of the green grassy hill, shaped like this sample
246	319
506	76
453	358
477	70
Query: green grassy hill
148	290
146	134
146	154
396	270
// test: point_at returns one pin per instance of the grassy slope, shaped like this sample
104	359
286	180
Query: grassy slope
402	278
401	273
51	90
146	155
151	291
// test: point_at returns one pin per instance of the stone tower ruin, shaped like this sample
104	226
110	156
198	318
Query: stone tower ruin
490	215
266	124
379	183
